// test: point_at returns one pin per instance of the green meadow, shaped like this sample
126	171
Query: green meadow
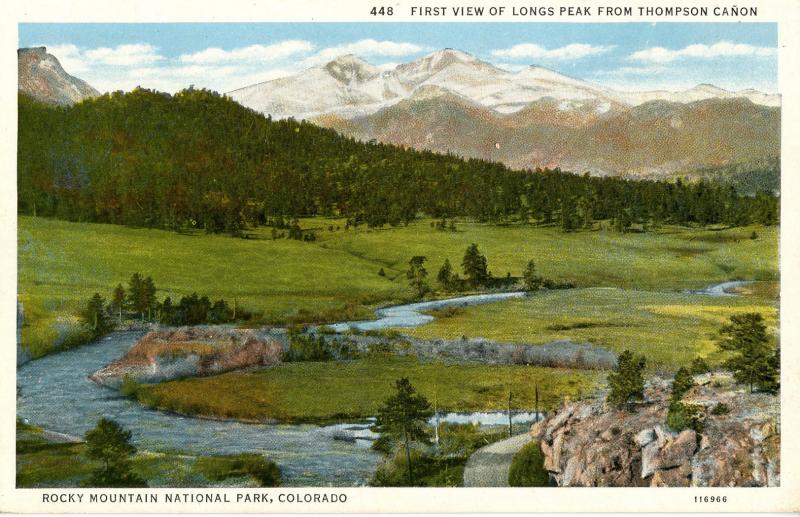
669	328
61	264
325	391
672	258
42	463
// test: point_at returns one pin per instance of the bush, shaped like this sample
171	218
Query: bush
306	347
219	468
527	467
626	382
682	416
721	409
699	366
429	470
682	383
129	387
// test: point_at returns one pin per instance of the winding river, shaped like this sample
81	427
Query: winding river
56	394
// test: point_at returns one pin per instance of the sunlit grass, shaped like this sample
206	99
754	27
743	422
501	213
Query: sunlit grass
324	391
670	329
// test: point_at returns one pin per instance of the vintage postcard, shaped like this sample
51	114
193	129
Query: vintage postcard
400	257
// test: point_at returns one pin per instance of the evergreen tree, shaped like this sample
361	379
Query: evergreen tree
149	296
404	416
683	382
137	299
417	275
475	267
445	275
110	444
95	315
118	301
626	382
532	281
750	357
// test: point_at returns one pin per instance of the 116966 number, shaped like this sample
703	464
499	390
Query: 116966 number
711	499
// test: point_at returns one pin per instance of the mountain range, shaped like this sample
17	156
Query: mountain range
450	101
41	77
350	87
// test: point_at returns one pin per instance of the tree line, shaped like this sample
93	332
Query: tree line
475	268
139	300
197	159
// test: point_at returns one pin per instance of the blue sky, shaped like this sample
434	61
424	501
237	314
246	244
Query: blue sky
225	56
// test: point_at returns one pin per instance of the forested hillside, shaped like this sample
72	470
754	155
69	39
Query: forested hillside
198	159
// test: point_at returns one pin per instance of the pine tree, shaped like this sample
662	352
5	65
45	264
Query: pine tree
110	444
532	281
136	296
148	296
626	382
445	275
95	315
417	275
405	415
750	357
118	301
475	266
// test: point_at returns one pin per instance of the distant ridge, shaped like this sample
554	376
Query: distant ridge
42	77
451	101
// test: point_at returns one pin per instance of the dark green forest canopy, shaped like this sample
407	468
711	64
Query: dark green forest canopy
198	159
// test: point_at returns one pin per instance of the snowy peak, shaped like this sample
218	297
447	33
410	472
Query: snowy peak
350	87
438	61
699	93
350	68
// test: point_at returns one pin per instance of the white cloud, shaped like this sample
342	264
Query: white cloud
123	55
252	53
69	56
78	60
701	51
565	53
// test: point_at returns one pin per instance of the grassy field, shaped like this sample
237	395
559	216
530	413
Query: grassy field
671	258
61	264
42	463
669	328
324	391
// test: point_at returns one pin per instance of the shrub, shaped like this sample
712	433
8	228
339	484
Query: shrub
682	416
721	409
682	383
129	387
219	468
306	347
626	382
699	366
527	467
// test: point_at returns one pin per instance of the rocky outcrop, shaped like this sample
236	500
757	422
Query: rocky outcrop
591	444
41	77
190	352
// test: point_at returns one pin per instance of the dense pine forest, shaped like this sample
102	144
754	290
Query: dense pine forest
196	159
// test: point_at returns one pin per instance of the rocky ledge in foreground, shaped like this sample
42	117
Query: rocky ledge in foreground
592	444
188	352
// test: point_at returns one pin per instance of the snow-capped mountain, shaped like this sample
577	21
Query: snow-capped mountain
349	87
41	76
